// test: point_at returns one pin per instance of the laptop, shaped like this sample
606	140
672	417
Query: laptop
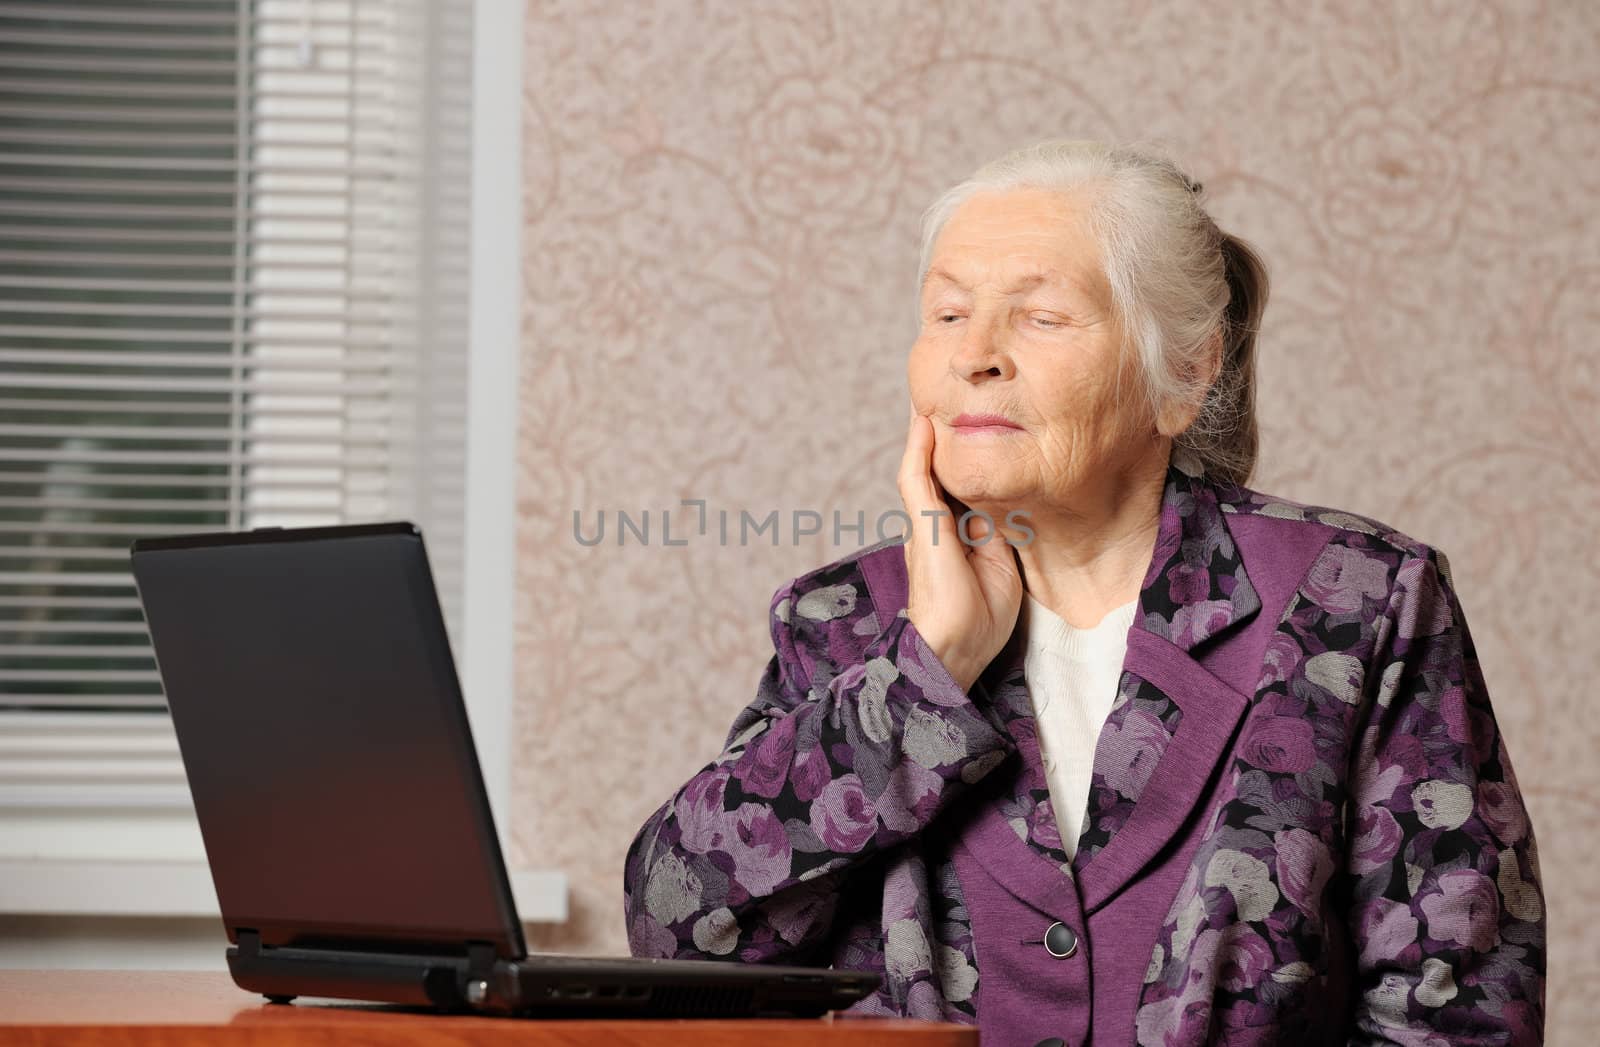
344	816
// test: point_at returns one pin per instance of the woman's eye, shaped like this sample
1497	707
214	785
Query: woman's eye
942	317
1045	321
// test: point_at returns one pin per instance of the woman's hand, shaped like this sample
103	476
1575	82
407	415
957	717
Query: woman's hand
963	597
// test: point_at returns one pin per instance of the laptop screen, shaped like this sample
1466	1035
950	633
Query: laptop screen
324	737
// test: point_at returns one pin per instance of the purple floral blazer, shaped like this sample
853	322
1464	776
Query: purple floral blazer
1303	825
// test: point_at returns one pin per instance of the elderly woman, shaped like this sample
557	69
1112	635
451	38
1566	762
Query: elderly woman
1111	748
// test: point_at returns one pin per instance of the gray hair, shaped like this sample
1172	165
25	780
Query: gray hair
1177	281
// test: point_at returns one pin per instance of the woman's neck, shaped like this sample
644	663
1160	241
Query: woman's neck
1090	558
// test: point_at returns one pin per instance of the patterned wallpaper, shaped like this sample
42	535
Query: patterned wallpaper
721	221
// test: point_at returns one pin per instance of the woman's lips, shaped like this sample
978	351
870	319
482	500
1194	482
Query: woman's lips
978	424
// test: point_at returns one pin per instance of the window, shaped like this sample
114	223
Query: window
233	247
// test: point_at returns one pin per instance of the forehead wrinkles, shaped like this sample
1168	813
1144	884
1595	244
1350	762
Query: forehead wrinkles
1009	248
1012	277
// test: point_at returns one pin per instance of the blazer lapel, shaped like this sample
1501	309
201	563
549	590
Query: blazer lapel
1152	767
1172	719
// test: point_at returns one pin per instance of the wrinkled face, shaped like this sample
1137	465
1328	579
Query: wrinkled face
1017	322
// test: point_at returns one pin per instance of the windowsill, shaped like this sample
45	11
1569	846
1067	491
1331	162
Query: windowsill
182	889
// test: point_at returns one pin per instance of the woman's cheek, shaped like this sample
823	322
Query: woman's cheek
929	357
917	380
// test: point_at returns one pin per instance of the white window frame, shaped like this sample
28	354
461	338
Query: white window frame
114	861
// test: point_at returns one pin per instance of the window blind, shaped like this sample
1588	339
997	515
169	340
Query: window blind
231	241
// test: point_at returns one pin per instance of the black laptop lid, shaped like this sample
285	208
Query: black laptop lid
324	738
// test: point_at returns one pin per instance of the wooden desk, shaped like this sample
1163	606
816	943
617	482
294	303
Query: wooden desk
175	1009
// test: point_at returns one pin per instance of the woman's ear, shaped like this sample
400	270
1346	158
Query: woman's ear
1175	418
1203	374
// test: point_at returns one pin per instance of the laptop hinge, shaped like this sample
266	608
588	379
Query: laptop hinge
249	942
481	958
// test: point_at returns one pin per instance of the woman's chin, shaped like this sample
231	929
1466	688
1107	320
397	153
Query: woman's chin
990	494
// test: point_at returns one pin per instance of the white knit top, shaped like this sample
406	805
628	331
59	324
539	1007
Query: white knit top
1072	678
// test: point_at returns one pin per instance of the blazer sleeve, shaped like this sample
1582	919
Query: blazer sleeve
1448	923
821	771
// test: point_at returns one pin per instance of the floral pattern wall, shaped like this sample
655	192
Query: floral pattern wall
721	220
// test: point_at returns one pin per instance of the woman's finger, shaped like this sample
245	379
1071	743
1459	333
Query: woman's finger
977	530
932	523
917	489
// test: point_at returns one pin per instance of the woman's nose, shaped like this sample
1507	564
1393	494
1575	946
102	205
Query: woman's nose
981	356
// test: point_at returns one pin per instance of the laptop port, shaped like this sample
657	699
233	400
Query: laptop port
576	992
